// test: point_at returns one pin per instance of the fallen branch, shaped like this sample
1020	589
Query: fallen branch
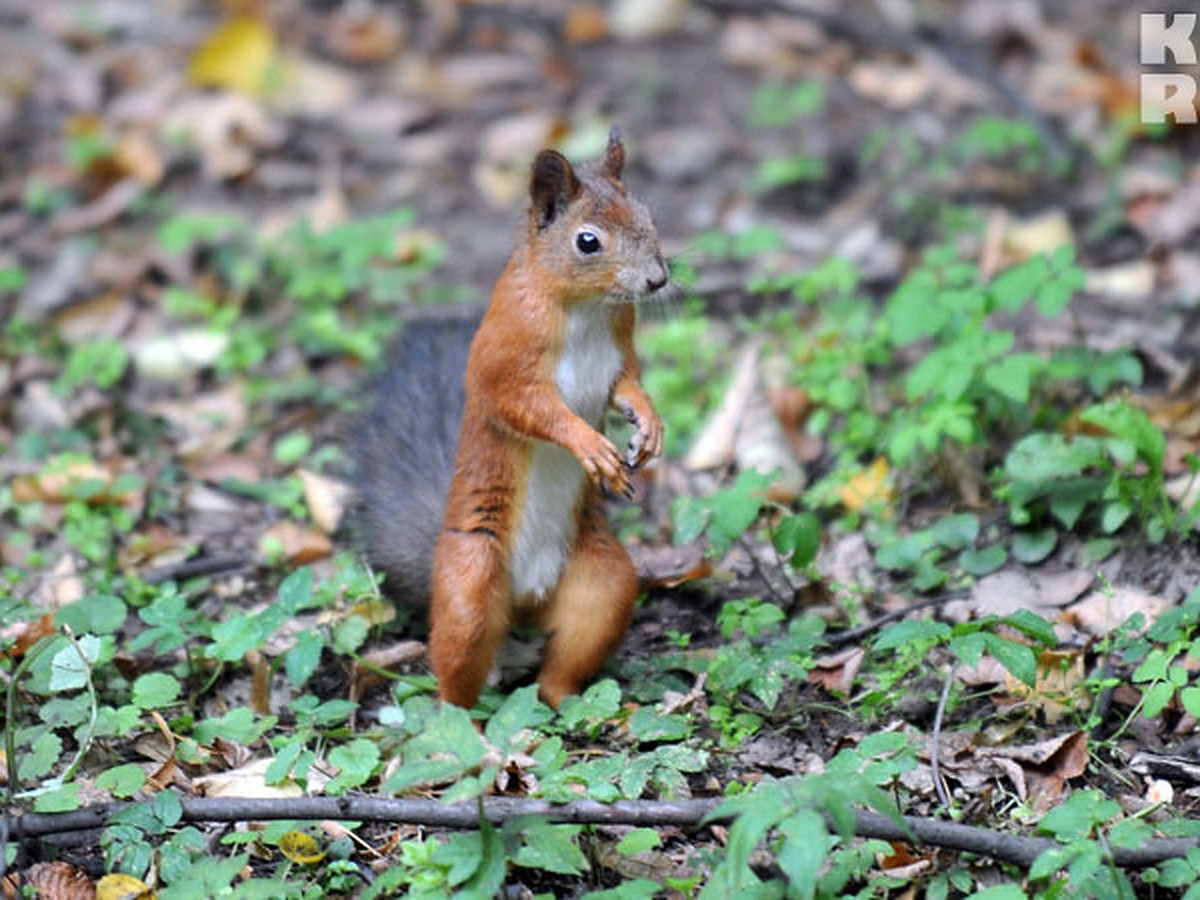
1018	849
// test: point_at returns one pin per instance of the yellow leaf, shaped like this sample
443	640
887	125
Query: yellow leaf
301	848
236	56
869	488
123	887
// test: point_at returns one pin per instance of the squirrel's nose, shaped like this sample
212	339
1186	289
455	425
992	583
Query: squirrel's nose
659	280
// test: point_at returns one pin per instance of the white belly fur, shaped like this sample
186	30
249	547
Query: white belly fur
587	370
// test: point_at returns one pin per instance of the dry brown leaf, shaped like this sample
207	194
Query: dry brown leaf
249	781
1045	767
105	315
52	880
1015	588
1043	233
60	587
227	129
1058	690
584	24
138	157
1100	612
326	499
836	673
369	34
310	87
206	425
23	635
1131	281
890	84
297	544
153	545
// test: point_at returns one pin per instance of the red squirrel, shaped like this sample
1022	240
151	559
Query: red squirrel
522	536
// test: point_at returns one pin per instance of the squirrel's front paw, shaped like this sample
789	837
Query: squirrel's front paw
647	441
603	464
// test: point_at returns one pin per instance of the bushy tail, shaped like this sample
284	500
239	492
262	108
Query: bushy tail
404	448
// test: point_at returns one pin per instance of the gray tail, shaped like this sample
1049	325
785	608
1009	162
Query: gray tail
404	448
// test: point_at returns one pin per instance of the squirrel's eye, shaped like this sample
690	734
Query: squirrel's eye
587	242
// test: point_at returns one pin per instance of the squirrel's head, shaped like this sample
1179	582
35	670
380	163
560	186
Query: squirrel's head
587	234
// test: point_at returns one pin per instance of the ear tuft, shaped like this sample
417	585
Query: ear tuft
614	155
552	186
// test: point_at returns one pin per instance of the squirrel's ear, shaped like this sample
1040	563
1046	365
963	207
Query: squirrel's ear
614	155
553	185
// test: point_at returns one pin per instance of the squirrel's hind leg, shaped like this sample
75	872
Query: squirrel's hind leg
469	614
588	613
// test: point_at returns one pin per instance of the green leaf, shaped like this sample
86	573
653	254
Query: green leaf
638	840
167	808
646	724
296	591
42	757
983	561
155	690
350	634
1155	700
1017	659
63	799
803	851
122	781
1030	623
1032	546
956	531
1190	698
799	535
1043	457
300	663
291	448
520	711
95	614
68	672
1013	375
355	763
902	634
1114	516
550	847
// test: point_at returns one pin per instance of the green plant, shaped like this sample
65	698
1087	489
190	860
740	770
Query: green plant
793	817
1118	473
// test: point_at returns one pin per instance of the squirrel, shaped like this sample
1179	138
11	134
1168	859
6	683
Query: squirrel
481	491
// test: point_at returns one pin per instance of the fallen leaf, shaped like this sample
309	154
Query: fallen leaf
638	20
1041	771
364	34
227	129
175	356
55	881
300	848
1131	281
1058	690
871	487
1101	612
890	84
836	673
295	543
584	24
123	887
326	499
1043	233
237	55
138	157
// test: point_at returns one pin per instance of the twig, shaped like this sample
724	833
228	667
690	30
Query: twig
1017	849
935	756
195	568
851	635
